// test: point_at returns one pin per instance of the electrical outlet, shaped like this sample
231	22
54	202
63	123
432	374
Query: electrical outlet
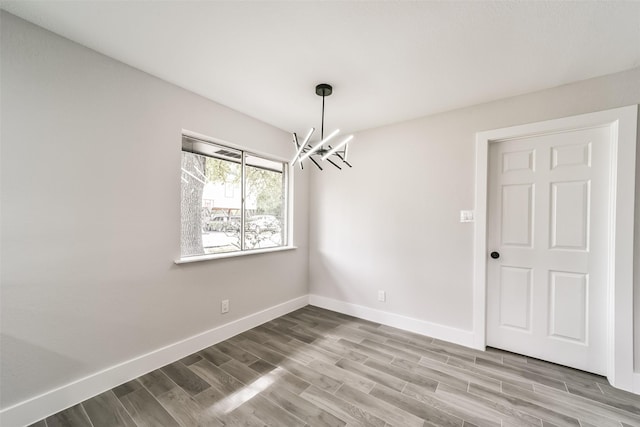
224	307
382	296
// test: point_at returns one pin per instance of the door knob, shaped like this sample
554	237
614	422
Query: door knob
495	255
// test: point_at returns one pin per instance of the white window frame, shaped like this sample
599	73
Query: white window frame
288	200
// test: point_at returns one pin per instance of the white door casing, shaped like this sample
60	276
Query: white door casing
547	204
621	125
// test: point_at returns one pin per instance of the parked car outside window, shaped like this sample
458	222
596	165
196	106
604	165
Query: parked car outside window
217	223
262	223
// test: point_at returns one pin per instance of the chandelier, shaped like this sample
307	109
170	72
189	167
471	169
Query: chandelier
322	151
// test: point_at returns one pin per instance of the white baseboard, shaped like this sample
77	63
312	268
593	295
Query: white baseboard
36	408
435	330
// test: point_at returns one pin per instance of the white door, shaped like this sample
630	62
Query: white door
547	220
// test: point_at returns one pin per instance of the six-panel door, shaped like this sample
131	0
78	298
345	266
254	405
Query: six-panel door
548	215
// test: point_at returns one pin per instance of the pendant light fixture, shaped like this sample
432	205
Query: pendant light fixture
322	150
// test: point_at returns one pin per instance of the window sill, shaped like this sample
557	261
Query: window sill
208	257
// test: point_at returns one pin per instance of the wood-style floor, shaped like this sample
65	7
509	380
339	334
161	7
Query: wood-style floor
314	367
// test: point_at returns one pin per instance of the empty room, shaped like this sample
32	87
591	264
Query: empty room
319	213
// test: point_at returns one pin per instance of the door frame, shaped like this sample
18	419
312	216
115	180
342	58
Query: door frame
622	123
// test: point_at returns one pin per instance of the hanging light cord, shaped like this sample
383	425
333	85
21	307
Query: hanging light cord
322	126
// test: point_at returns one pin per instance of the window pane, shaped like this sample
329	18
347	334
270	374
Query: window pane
265	203
211	203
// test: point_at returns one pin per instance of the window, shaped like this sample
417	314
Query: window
232	200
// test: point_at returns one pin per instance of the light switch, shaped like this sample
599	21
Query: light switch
467	216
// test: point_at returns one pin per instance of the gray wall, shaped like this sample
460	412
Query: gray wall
90	179
392	222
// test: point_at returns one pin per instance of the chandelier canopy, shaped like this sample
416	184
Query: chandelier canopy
322	151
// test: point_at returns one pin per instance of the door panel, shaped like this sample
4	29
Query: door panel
518	160
546	293
568	305
515	297
570	215
571	155
517	215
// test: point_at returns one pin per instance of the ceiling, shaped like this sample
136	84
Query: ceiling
388	61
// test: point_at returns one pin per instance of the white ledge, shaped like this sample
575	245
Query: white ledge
208	257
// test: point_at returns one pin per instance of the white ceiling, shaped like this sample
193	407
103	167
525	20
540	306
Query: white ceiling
387	61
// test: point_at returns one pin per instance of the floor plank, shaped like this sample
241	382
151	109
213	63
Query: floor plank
236	353
127	388
157	382
272	414
352	414
583	408
240	371
185	378
215	356
381	409
216	377
372	374
483	407
415	370
403	374
317	378
105	410
343	376
186	410
337	348
302	408
71	417
459	373
146	411
522	373
431	413
370	352
517	399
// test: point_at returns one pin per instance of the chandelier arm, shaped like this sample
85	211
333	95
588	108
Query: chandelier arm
315	163
297	157
298	150
335	149
331	161
343	160
308	137
300	147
